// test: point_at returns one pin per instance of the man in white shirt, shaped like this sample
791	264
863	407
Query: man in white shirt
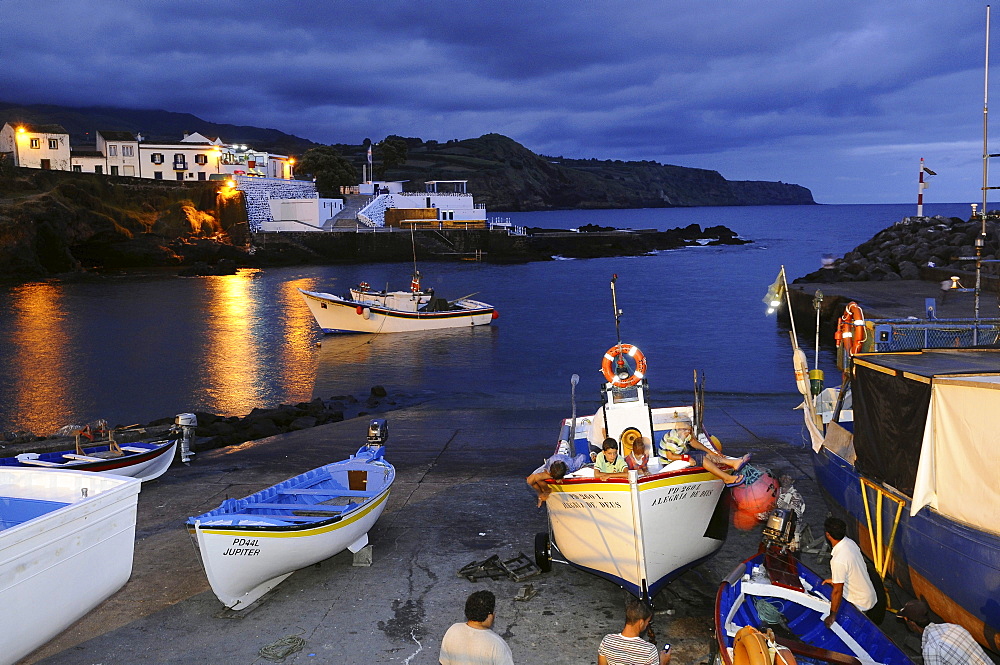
849	575
472	642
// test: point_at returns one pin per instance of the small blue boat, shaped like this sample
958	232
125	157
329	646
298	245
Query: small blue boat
775	590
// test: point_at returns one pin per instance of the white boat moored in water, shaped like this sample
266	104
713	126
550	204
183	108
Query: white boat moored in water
66	544
367	311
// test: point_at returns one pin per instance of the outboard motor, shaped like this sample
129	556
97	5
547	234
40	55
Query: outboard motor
186	422
378	432
780	529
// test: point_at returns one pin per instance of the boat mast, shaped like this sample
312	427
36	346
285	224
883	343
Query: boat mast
620	368
981	240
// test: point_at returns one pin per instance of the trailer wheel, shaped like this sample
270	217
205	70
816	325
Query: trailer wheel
543	552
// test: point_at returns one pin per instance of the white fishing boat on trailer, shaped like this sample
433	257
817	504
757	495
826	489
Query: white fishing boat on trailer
365	310
248	546
639	531
66	544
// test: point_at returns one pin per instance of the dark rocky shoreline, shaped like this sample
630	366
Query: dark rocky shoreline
217	431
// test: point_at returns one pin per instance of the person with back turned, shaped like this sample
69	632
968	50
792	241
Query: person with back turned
473	642
627	647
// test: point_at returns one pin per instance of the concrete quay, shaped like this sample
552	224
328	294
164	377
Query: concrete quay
459	497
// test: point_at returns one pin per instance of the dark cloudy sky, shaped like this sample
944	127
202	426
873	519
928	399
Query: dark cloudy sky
840	96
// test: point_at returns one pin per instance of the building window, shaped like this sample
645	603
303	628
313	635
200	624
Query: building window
98	169
77	168
156	158
157	175
126	151
201	159
35	144
180	176
53	144
201	175
114	170
112	150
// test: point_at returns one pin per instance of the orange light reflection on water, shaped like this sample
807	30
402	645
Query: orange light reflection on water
41	360
232	361
238	319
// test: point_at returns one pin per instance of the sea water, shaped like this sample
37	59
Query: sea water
134	348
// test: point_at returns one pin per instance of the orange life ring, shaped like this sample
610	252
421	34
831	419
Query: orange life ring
751	647
608	365
851	332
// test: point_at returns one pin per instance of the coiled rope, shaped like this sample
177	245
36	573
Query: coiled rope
279	650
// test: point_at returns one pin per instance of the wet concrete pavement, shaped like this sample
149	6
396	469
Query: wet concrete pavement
459	497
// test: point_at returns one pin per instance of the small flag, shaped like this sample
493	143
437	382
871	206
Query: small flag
775	292
928	171
369	154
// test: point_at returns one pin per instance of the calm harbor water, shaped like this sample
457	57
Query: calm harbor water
135	348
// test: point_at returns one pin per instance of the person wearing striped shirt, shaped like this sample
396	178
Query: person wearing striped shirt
627	647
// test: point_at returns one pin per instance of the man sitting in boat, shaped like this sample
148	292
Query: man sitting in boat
609	463
681	442
554	468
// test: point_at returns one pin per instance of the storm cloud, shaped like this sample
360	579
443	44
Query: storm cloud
841	97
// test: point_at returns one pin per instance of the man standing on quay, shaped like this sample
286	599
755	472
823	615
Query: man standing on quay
472	642
627	647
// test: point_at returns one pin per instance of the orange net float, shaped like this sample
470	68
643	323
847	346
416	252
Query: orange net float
744	520
759	491
619	351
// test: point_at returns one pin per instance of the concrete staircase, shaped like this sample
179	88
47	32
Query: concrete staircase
348	217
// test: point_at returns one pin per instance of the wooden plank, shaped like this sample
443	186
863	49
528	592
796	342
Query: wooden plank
329	492
297	506
83	458
136	449
38	462
817	653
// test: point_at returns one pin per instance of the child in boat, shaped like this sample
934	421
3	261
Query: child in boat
681	442
609	463
637	461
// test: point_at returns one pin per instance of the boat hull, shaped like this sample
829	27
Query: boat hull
49	564
639	534
955	568
142	460
337	315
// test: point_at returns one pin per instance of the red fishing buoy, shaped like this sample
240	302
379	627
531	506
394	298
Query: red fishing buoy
359	309
496	315
744	520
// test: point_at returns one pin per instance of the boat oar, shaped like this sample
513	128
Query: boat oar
452	302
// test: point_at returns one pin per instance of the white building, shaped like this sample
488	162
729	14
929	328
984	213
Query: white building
121	152
444	204
36	146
